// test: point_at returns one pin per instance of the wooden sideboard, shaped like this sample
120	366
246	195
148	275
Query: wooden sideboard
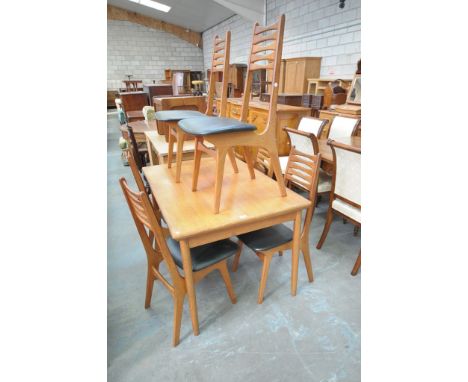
330	115
286	116
177	103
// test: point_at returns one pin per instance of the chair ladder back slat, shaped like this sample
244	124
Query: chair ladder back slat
147	223
219	63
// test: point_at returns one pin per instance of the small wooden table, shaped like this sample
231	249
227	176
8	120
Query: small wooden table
158	148
139	129
247	205
326	151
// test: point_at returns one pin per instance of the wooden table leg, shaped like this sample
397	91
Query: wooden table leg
187	263
152	155
295	252
180	152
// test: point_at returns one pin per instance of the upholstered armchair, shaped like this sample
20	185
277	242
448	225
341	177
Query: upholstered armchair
343	127
345	196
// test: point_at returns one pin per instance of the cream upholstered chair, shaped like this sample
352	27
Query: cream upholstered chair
343	127
306	142
345	196
309	125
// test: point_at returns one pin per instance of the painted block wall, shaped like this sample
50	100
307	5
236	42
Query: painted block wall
313	28
145	53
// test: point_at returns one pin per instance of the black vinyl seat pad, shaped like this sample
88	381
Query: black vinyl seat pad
176	115
204	255
208	125
267	238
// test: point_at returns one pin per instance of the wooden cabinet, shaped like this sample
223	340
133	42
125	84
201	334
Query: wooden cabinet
286	116
297	71
294	73
330	115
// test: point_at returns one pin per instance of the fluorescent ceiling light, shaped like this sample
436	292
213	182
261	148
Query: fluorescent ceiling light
153	4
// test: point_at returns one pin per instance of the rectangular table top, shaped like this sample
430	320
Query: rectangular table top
243	200
326	151
140	127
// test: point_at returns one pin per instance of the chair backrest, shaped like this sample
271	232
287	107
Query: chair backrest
346	183
219	63
303	170
265	53
134	148
148	227
343	127
312	125
134	101
303	141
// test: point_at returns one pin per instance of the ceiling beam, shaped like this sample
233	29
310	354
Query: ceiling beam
253	10
115	13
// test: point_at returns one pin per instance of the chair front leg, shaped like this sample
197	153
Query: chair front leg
357	265
248	157
196	163
170	147
275	163
180	153
149	287
235	263
220	160
263	280
326	227
223	269
178	308
232	158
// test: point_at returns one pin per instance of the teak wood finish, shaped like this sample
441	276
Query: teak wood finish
302	169
219	64
191	222
336	195
153	237
265	39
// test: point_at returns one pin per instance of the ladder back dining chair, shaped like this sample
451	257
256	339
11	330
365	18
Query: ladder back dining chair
345	195
219	64
205	258
226	133
303	169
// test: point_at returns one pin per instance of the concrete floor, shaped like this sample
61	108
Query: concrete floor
315	336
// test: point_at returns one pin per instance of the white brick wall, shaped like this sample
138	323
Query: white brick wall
145	53
313	28
241	37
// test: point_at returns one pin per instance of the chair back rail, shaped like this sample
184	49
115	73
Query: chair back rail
219	63
148	227
265	53
303	169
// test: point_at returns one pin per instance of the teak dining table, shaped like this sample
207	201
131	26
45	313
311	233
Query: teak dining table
247	205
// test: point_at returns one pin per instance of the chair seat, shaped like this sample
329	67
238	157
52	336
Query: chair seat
176	115
204	255
267	238
347	209
208	125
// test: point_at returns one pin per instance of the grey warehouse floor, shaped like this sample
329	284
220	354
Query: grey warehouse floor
315	336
